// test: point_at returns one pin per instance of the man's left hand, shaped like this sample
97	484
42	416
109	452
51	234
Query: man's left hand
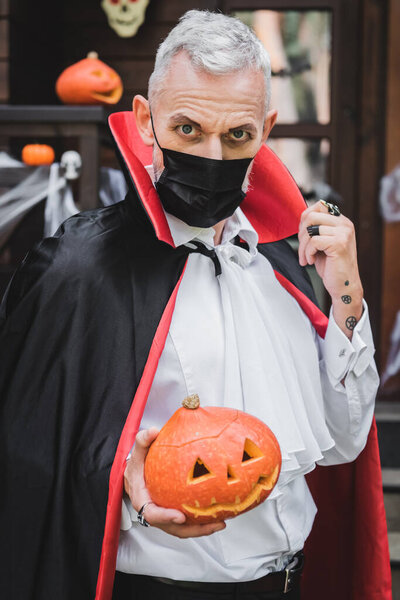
334	254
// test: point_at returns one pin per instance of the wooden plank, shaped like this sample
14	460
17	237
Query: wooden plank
393	89
233	5
344	99
370	156
4	49
4	83
90	11
89	178
35	48
171	11
48	130
134	73
391	231
78	41
53	114
126	101
4	8
302	130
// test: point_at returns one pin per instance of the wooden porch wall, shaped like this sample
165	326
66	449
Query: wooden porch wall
86	29
69	30
4	51
391	231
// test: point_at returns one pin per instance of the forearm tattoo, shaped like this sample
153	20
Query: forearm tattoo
346	299
351	322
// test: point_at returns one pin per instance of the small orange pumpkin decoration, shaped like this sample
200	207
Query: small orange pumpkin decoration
37	154
89	81
212	463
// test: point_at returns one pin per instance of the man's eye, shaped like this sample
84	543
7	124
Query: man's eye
187	129
239	134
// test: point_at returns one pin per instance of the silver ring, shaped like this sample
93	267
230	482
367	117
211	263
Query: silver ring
332	208
140	515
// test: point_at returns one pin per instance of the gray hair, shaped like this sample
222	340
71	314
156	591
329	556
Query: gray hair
215	43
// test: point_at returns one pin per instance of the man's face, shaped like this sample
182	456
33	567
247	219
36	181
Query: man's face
220	117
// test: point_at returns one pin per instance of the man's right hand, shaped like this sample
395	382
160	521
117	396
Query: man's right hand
169	520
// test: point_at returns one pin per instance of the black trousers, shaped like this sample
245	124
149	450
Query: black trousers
140	587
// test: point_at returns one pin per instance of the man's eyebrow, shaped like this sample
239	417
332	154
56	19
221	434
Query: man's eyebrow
248	126
180	119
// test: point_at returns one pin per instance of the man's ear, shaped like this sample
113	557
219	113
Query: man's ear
141	110
269	122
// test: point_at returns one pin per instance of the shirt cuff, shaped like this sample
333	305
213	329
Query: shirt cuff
128	514
342	355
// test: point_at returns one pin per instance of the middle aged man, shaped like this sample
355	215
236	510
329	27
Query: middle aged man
183	292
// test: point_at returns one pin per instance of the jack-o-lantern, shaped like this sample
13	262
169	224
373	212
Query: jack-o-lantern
212	463
89	81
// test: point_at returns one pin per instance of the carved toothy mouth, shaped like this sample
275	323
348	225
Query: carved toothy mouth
111	97
265	482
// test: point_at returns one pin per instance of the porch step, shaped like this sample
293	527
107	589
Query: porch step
391	496
394	545
387	416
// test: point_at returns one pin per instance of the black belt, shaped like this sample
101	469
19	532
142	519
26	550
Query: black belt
279	581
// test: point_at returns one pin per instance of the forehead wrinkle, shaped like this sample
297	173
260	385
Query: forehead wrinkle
247	102
207	115
238	90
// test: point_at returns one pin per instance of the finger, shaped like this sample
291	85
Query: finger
322	230
317	244
143	441
321	205
320	218
193	530
304	239
134	471
158	515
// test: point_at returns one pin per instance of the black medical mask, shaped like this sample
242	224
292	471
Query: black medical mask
200	191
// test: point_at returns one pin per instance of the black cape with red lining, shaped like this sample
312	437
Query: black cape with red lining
83	324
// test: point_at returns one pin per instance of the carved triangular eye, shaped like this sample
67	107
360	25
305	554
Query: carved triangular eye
199	469
199	472
231	477
250	451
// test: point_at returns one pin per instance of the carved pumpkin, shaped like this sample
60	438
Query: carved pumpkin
37	154
212	463
89	81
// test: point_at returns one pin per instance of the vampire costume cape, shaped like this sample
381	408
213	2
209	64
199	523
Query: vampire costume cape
83	324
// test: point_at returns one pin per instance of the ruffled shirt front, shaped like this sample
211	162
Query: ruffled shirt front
241	340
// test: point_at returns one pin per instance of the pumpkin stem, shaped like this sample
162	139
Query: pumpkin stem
92	55
192	401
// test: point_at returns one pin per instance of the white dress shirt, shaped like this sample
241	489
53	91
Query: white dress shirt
241	340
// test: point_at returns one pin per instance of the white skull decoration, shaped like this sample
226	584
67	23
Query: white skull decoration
71	163
125	16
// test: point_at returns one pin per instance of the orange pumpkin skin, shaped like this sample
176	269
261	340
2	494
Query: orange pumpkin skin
89	81
212	439
37	154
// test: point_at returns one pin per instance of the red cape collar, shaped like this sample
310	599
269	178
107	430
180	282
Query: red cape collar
273	205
